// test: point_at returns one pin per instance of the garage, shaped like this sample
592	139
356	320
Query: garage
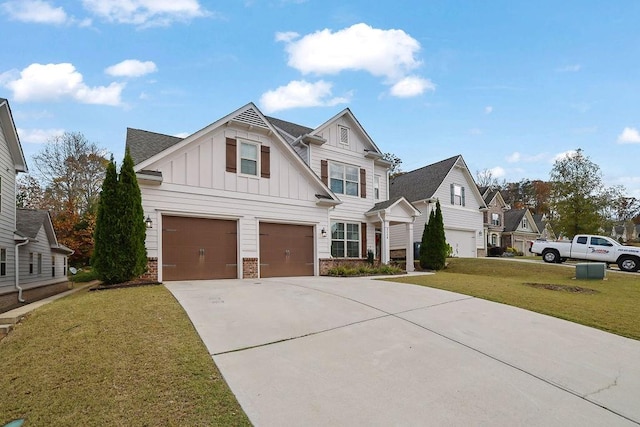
463	243
199	248
286	250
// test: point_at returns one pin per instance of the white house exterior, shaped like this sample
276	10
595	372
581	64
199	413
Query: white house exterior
254	196
520	229
450	182
26	236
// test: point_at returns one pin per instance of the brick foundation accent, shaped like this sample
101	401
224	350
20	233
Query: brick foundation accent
328	263
10	301
398	254
249	268
152	270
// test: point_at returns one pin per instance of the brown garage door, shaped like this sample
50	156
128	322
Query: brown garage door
199	248
286	250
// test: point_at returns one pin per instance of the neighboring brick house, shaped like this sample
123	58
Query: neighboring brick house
32	263
493	216
520	230
546	231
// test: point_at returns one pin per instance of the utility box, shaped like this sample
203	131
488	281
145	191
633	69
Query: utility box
590	271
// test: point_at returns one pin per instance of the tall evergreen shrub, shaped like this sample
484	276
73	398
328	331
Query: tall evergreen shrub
435	253
426	238
106	254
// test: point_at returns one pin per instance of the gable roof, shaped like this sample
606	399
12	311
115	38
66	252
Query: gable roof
291	129
143	144
513	217
421	184
11	136
347	112
29	222
490	193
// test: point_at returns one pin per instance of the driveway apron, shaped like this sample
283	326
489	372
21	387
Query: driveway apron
319	351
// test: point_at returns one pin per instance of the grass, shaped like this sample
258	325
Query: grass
119	357
610	305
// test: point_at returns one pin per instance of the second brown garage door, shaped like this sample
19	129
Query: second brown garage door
286	250
199	248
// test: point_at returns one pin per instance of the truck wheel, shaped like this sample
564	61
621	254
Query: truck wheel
629	263
550	255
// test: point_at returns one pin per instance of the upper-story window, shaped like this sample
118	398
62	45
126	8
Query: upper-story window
376	186
343	135
249	158
495	219
457	195
525	223
344	179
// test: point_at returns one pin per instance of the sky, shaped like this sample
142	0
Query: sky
510	85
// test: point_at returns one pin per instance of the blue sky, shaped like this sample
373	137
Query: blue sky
510	85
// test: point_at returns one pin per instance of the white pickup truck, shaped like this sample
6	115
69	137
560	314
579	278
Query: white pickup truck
591	248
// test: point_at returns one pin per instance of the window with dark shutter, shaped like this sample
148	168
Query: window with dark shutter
231	155
363	240
363	183
324	171
265	158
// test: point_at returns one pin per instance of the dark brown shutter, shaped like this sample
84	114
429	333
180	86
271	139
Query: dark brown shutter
231	155
324	171
265	158
363	239
363	183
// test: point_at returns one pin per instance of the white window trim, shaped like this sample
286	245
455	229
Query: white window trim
345	240
258	155
344	178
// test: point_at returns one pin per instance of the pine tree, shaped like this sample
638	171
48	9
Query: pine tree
134	231
435	252
426	238
106	258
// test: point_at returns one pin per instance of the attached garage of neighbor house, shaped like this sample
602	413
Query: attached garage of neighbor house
199	248
463	243
286	250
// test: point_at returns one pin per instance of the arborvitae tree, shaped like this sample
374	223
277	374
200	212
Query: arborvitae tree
435	253
426	238
134	231
106	253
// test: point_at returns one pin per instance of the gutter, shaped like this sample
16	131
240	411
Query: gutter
17	268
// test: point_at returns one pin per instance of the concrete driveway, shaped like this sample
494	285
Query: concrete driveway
318	351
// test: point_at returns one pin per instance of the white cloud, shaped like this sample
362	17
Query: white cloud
131	68
514	157
564	155
411	86
53	82
517	157
38	136
571	68
488	109
300	93
497	172
287	36
36	11
388	53
629	136
146	13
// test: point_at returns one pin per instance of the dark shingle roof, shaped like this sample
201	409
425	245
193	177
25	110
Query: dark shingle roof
422	183
143	144
29	221
512	219
292	129
383	205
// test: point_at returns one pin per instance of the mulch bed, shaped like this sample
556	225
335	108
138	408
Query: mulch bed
563	288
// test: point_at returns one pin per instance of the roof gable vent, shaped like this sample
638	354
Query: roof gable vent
251	118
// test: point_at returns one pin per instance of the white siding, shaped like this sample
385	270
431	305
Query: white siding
40	246
7	212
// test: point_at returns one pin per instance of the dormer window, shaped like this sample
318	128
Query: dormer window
343	135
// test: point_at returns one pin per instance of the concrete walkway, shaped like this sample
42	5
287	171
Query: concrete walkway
320	351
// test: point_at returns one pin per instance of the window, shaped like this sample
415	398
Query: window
343	135
345	240
39	263
64	266
3	262
457	195
344	179
599	241
494	239
249	158
31	262
495	219
53	266
525	223
376	187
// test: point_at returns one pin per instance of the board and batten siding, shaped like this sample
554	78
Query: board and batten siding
7	211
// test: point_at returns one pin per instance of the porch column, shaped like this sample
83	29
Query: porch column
385	256
409	257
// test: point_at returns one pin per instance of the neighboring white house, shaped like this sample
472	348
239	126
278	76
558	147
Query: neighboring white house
462	205
32	263
253	196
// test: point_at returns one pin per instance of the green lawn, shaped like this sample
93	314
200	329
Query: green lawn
119	357
612	305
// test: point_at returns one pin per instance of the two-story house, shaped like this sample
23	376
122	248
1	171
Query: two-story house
254	196
32	263
450	182
494	215
520	229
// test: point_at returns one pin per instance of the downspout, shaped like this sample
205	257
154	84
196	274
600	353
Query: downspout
17	267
